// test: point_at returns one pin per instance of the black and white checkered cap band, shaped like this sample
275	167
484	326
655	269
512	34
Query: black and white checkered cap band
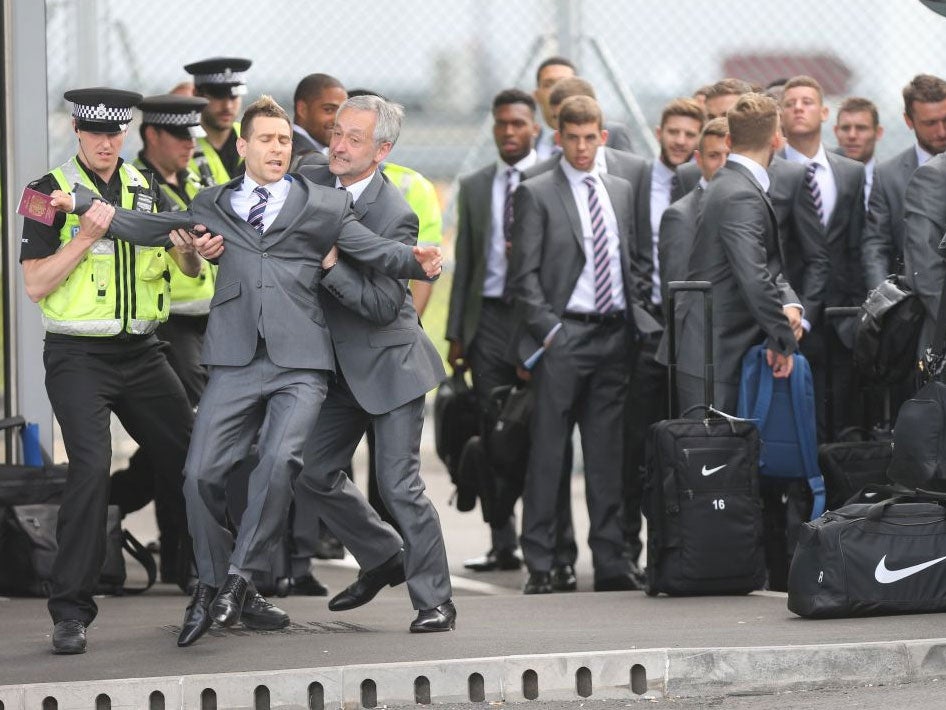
101	113
183	120
220	77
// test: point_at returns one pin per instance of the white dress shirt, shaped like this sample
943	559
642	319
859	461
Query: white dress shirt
582	299
824	176
243	198
356	189
545	144
868	179
661	185
922	157
494	281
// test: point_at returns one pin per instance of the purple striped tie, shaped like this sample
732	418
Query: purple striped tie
813	188
602	262
255	218
511	183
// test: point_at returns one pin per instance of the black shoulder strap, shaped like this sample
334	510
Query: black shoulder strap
139	552
938	346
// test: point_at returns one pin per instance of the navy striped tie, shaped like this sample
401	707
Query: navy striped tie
602	262
255	218
813	188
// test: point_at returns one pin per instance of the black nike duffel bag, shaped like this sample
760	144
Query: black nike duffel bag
866	559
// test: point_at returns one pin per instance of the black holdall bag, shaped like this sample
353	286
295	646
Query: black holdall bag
868	559
701	491
919	439
456	419
888	332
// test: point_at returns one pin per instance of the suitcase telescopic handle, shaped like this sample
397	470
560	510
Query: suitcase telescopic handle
706	288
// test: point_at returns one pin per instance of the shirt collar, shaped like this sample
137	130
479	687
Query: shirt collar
703	182
280	188
527	162
356	189
922	157
819	158
758	172
575	177
662	174
296	128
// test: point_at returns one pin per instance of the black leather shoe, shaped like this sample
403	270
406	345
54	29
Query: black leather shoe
307	586
440	618
258	613
538	583
69	637
621	583
228	603
197	618
328	547
563	579
504	559
364	589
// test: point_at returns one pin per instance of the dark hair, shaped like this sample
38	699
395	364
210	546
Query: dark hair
854	104
570	86
579	110
683	107
513	96
366	92
925	88
264	106
553	62
313	85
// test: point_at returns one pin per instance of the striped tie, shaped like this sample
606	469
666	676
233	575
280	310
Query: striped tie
600	250
511	183
815	191
255	218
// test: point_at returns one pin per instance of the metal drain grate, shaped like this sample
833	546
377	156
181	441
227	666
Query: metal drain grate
294	629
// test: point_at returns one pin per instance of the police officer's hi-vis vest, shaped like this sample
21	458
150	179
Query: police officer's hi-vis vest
207	164
117	286
190	295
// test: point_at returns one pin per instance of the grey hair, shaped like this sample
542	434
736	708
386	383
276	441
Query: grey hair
388	116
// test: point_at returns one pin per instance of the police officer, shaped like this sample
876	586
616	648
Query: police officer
101	300
220	81
170	124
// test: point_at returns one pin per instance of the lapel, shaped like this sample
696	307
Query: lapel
565	194
744	171
223	203
842	185
908	164
482	200
370	194
293	210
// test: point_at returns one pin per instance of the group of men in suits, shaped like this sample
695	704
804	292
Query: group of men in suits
780	224
311	280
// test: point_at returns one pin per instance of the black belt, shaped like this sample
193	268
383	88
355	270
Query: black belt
611	317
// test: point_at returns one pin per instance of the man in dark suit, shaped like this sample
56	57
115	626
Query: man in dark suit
550	71
386	364
573	286
315	102
836	184
481	315
924	110
858	129
736	249
270	352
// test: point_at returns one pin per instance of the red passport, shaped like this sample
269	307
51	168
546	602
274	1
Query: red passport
35	205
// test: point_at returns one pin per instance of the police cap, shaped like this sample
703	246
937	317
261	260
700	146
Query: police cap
102	110
176	114
221	77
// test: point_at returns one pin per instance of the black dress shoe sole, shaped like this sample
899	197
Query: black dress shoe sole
68	650
258	625
433	629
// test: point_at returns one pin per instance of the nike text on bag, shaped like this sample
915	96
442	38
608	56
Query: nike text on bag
701	492
888	331
864	559
919	440
784	412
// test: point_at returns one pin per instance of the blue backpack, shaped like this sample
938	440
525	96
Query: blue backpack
784	412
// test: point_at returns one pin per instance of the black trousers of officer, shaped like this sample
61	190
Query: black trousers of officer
84	388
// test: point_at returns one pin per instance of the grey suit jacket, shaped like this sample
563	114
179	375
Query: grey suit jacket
474	231
736	249
677	231
805	257
548	255
386	357
882	245
688	177
270	282
924	226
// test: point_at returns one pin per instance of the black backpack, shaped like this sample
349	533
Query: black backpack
888	331
456	419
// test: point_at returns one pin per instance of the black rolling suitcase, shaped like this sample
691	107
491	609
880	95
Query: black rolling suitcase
854	460
701	491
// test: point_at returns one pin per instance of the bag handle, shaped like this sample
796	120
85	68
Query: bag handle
877	510
139	552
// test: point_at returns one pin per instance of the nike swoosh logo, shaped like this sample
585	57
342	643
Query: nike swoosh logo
888	576
711	471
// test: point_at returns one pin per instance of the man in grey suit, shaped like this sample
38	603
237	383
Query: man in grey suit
550	71
481	315
736	249
579	302
836	184
269	348
924	110
386	364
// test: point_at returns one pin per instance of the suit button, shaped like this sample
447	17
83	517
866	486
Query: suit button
265	255
259	284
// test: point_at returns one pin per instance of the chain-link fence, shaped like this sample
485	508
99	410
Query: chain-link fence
445	60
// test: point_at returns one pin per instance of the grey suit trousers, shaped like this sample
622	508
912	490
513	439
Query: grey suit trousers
283	405
323	486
